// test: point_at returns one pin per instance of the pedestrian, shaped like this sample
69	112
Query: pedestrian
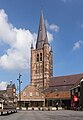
57	106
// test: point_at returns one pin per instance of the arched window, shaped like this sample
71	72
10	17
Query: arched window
37	57
40	56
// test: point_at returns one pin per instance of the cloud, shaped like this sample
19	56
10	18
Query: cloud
77	45
3	85
52	27
50	36
17	56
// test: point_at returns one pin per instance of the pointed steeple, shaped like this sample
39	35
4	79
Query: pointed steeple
42	35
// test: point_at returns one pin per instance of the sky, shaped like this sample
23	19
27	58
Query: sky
19	22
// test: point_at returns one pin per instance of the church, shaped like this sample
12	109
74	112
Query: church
46	90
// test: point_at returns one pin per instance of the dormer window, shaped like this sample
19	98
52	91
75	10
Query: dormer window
65	81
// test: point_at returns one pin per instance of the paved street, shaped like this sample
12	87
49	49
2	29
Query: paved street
44	115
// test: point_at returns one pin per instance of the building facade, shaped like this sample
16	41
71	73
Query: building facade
59	90
41	70
44	89
41	59
8	98
32	97
77	95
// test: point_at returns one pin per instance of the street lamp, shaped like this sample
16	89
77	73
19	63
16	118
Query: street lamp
19	90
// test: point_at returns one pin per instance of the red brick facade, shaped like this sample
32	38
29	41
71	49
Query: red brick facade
42	81
41	59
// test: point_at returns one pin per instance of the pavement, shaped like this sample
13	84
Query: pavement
44	115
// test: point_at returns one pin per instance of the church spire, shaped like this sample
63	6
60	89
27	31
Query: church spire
42	35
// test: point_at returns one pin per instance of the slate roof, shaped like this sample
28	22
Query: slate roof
11	86
57	89
65	80
42	34
62	84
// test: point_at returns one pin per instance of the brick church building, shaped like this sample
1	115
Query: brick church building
44	89
41	59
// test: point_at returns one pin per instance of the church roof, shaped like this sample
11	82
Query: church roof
65	80
42	35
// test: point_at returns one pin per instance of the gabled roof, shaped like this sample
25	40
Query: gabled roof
11	86
31	93
65	80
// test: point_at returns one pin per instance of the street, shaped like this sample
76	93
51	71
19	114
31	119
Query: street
44	115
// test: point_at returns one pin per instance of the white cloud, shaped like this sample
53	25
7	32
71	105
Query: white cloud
77	45
50	36
3	85
7	33
52	27
19	40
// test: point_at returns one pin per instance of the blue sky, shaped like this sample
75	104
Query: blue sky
19	21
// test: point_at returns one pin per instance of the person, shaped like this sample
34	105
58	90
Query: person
57	106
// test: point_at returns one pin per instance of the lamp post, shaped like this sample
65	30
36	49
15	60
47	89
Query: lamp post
19	90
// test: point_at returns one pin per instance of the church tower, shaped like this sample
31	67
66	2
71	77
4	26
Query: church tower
41	59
